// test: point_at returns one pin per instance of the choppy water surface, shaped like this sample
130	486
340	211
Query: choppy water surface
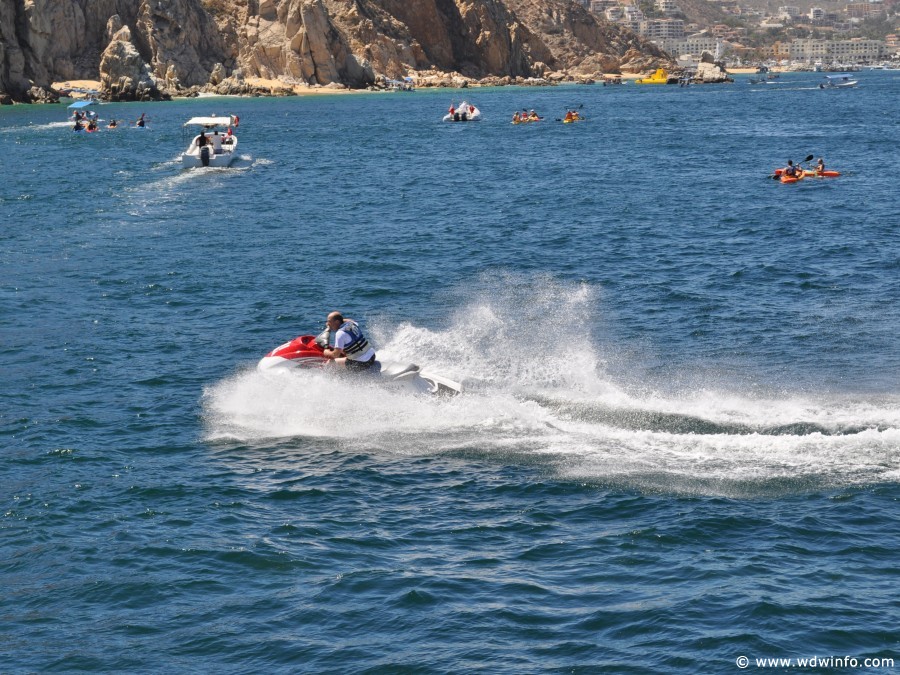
679	441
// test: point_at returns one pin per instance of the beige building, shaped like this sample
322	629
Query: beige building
657	29
855	50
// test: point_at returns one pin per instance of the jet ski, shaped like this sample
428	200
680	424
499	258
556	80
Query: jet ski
307	351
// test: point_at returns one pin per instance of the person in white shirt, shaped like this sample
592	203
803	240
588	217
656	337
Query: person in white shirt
351	348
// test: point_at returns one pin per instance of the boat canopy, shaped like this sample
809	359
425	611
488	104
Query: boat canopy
82	104
209	121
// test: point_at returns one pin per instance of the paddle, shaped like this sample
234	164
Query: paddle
809	158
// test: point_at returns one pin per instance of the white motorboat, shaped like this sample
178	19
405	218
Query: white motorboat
215	145
465	112
838	82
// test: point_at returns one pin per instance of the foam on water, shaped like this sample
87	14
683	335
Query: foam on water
535	395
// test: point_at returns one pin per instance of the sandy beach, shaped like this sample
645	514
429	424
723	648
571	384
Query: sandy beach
271	85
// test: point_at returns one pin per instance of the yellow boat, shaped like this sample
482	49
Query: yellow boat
659	77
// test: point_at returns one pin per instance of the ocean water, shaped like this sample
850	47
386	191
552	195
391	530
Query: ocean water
679	440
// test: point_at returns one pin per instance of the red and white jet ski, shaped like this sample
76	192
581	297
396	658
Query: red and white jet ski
307	351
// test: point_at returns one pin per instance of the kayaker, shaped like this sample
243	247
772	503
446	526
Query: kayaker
820	167
790	169
112	124
516	119
351	348
141	122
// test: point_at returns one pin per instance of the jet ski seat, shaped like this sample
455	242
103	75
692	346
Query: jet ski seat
395	370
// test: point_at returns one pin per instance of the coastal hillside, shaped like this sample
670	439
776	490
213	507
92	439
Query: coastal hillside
149	50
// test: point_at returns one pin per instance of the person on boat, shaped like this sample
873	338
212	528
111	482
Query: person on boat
229	137
92	125
533	116
351	349
216	143
78	125
570	116
202	139
790	169
820	167
516	119
141	121
452	109
112	124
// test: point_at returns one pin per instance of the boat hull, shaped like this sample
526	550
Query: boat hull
193	157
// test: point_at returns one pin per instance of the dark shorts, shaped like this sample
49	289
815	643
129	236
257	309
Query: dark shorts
359	365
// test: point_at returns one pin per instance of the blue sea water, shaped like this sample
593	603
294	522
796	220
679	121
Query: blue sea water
679	442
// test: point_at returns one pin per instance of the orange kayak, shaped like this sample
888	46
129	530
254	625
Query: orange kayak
812	173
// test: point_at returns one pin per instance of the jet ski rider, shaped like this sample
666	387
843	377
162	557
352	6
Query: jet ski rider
351	348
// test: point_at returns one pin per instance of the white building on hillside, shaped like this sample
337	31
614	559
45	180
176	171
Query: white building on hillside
694	45
656	29
788	12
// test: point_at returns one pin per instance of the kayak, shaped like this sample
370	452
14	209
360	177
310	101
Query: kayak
791	179
579	119
812	173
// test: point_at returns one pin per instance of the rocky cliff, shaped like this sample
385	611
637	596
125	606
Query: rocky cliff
142	49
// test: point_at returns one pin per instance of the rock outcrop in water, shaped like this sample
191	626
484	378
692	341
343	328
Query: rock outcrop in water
158	48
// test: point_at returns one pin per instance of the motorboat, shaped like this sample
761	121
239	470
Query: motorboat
838	82
307	352
465	112
219	145
79	109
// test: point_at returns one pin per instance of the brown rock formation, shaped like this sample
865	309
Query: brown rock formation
124	76
182	46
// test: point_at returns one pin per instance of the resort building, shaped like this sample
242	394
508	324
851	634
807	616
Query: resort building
658	29
694	45
855	50
788	12
865	10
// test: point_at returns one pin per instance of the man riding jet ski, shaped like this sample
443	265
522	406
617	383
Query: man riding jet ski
352	353
351	349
